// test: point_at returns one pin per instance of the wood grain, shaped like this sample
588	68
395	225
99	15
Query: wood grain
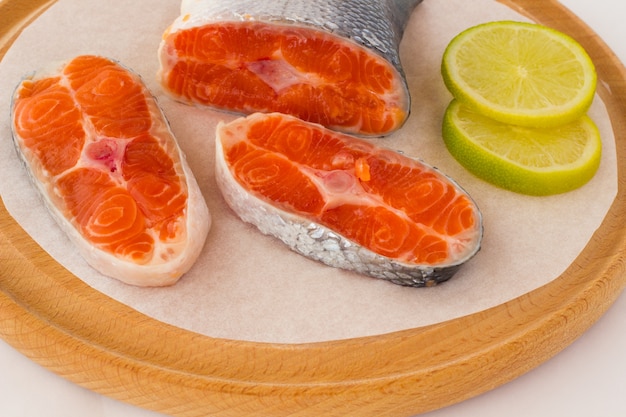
59	322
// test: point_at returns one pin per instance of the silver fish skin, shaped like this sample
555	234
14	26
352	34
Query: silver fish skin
321	244
375	27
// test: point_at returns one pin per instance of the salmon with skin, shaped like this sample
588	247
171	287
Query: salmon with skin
346	202
110	171
333	62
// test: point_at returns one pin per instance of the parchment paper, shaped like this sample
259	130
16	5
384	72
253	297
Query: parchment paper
248	286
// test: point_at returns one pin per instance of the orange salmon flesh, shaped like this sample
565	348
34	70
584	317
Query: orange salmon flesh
379	199
95	139
246	67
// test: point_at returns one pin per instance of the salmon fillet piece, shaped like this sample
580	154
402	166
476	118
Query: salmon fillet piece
346	202
110	170
330	62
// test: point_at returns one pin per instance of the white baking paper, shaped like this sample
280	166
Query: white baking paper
247	286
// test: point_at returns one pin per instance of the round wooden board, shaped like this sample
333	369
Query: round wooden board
61	323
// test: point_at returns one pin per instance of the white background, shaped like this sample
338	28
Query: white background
587	379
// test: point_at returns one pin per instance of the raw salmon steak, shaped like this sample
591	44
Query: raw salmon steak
344	201
110	170
333	62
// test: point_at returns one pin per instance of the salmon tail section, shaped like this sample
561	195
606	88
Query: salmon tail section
102	155
335	63
345	202
401	11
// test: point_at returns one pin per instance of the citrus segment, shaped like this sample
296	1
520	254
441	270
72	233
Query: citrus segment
534	161
520	73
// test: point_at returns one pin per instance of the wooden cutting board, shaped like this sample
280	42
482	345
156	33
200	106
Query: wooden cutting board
85	336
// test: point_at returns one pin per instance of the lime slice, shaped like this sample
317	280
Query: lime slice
534	161
520	73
